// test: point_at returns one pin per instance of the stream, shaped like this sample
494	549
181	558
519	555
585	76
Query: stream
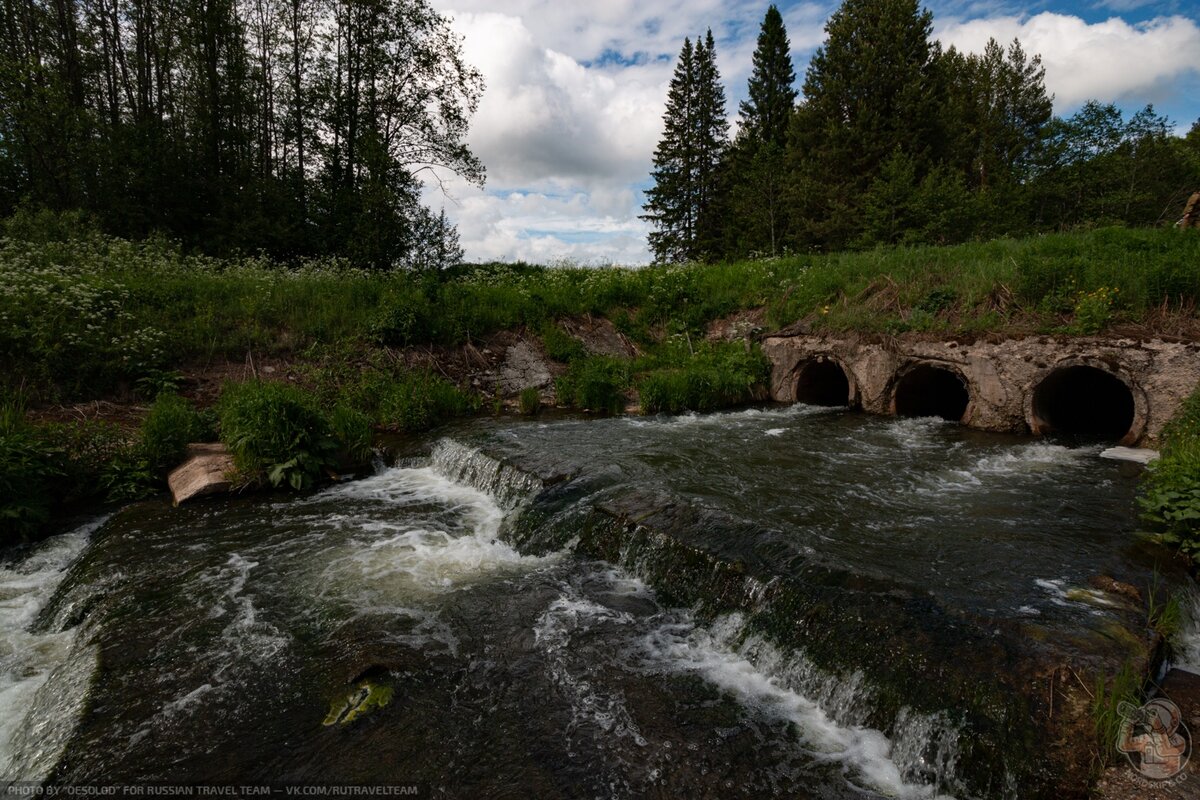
450	623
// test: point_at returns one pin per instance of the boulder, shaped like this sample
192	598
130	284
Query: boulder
205	472
524	366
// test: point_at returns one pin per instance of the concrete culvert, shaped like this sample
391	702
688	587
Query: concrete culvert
1083	400
823	382
929	391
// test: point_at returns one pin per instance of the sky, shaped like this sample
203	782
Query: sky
575	94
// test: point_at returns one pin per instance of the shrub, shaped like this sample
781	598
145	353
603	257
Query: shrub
354	430
594	384
170	426
560	345
276	431
530	400
27	469
96	460
1170	496
403	318
1092	310
420	400
713	378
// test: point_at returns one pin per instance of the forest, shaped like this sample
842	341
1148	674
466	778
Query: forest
288	127
892	140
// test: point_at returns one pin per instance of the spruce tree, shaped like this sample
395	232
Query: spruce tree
871	90
765	114
712	142
687	159
670	203
756	166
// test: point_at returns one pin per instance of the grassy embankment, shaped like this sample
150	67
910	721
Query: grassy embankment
84	316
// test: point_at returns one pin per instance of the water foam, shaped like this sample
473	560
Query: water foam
44	676
566	616
763	678
458	542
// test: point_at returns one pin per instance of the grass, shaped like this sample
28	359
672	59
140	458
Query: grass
84	314
1170	490
1110	699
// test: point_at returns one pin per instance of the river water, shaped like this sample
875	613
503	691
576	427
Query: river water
231	641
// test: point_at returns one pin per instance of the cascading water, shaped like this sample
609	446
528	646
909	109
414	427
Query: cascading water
236	639
44	673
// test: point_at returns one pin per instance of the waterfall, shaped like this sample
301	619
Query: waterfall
507	485
45	671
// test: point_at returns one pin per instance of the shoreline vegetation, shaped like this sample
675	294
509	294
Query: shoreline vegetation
89	317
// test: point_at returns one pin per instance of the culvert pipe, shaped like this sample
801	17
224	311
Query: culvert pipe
929	390
1083	400
823	382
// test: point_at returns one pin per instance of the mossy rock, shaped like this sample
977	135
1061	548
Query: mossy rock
365	698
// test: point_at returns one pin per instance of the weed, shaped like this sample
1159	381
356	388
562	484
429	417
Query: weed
1170	492
420	400
167	430
560	345
594	384
276	432
1110	703
530	400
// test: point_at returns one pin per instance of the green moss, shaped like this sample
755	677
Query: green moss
368	696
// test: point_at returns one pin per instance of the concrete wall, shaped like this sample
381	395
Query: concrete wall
1001	376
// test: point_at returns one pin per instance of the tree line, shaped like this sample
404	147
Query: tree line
295	127
892	140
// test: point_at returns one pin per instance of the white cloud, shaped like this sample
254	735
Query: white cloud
573	111
1108	61
576	92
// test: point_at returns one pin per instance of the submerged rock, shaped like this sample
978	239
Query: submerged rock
365	698
205	472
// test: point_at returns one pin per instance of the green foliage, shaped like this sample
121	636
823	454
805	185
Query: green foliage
1164	610
688	158
871	91
560	345
152	155
276	431
420	400
530	400
129	476
767	109
404	316
1093	309
28	469
716	376
594	384
1108	698
1170	491
354	429
167	430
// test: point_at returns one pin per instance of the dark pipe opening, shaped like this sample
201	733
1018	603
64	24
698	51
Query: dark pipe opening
823	383
1083	400
929	391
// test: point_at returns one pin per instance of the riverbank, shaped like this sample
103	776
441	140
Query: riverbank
95	329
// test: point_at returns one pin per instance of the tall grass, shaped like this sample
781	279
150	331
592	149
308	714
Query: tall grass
88	312
1170	490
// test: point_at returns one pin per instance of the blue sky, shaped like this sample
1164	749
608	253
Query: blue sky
575	96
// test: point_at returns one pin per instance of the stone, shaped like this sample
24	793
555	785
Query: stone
524	367
1139	455
205	472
